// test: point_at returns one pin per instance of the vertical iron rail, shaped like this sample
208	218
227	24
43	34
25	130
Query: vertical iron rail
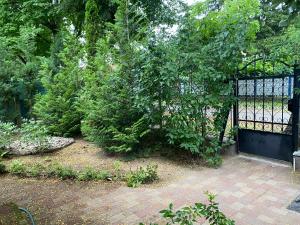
295	114
254	113
273	104
236	112
282	103
263	106
246	85
254	100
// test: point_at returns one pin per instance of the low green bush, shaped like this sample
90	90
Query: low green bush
2	168
190	214
36	170
62	172
18	168
89	174
142	176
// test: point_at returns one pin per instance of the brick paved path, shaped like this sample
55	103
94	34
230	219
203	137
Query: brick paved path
250	192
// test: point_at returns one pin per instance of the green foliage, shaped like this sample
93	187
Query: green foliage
36	170
34	132
89	174
18	73
30	132
3	154
62	172
56	170
56	108
17	168
142	176
7	135
120	71
183	78
93	26
117	170
2	168
190	214
112	120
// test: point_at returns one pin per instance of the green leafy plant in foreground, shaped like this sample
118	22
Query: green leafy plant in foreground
142	176
189	215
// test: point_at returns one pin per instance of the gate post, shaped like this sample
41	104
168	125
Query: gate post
295	114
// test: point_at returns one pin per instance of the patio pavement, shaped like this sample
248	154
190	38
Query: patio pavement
250	192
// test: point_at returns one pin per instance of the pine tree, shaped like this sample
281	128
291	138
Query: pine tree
56	107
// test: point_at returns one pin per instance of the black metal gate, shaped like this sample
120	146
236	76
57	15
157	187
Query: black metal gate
267	109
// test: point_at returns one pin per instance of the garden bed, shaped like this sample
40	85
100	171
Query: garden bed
82	154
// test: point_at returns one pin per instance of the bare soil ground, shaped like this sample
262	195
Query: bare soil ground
83	154
58	202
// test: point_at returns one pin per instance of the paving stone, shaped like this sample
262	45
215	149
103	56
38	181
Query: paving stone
266	219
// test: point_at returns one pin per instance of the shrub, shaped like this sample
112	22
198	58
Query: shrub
2	168
112	121
18	168
56	108
189	215
62	172
142	176
36	170
89	174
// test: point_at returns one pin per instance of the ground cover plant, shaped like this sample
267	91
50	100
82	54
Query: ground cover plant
55	170
142	176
